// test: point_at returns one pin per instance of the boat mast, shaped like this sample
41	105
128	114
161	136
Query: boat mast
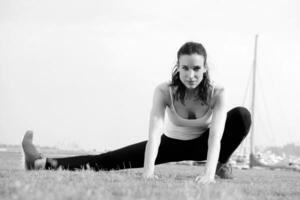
252	153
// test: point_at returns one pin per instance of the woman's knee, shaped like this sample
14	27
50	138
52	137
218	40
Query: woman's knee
242	115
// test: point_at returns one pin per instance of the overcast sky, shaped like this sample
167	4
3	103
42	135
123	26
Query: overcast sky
83	72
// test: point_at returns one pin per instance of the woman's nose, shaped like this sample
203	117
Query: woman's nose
191	73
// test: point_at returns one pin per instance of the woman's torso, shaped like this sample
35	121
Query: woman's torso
189	121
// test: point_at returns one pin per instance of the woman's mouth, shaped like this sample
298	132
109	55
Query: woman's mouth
191	82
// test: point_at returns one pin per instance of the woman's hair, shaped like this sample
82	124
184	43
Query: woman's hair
202	89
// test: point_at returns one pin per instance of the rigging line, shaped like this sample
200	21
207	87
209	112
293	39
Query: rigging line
269	126
279	103
283	116
265	139
282	112
247	87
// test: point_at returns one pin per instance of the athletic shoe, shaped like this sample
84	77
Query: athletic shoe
224	171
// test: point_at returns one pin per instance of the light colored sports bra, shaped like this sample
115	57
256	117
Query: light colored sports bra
185	129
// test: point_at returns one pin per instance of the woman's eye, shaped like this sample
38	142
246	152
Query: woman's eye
196	69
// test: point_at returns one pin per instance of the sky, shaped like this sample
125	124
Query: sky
82	73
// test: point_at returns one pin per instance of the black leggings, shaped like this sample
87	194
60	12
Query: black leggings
237	126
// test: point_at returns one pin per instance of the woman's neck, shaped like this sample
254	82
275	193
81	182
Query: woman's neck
190	93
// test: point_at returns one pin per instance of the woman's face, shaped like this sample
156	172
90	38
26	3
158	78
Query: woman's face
191	69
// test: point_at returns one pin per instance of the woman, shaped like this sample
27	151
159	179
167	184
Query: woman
197	127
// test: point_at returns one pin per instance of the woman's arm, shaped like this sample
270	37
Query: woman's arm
215	136
155	129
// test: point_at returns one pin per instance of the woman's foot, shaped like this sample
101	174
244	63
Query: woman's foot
33	159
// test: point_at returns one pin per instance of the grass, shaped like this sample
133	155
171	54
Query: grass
175	182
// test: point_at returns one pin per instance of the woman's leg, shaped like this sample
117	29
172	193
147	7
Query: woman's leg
131	156
126	157
237	126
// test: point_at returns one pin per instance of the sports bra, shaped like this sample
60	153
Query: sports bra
185	129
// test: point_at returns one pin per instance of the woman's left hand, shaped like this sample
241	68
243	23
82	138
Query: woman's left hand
204	179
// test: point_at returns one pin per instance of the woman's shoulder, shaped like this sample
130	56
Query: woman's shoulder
218	88
163	87
164	90
217	93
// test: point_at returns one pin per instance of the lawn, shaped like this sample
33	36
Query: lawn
175	182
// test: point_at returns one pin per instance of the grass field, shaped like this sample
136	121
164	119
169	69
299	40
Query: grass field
175	182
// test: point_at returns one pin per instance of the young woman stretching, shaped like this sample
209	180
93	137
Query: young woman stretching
197	127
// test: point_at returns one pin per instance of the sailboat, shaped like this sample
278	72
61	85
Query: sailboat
247	147
246	151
